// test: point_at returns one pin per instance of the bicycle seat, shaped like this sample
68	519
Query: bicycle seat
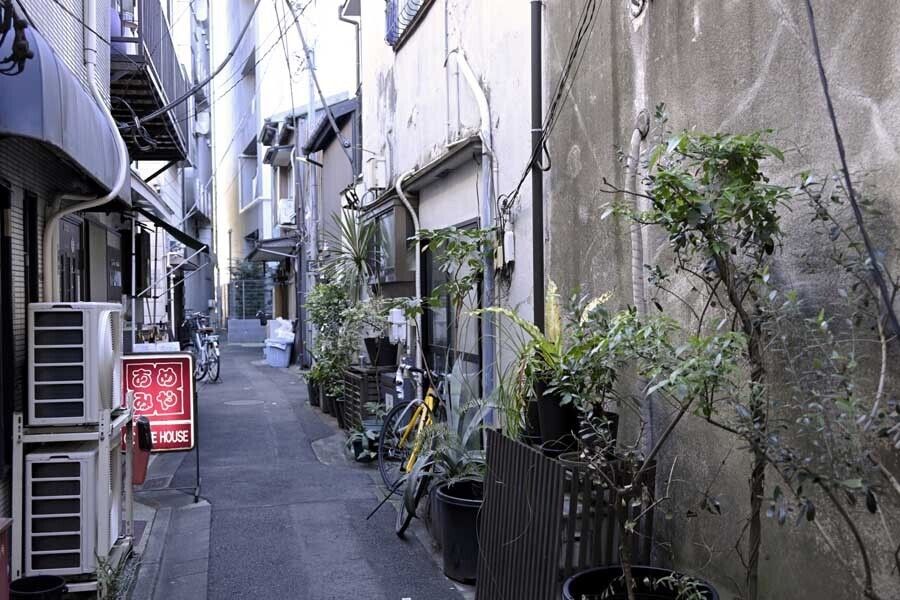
206	329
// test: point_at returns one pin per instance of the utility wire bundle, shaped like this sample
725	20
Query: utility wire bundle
569	71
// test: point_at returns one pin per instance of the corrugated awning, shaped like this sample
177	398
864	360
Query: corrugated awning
274	249
46	103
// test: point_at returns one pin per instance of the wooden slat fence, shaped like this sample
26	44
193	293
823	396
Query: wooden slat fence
542	521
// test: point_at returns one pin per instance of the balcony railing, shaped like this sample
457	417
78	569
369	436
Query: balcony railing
143	52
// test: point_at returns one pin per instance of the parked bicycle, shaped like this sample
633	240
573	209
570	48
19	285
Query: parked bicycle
204	345
401	439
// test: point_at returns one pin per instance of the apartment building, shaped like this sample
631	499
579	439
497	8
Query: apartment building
259	106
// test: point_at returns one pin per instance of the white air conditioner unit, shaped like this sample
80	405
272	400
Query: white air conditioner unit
73	361
61	510
61	507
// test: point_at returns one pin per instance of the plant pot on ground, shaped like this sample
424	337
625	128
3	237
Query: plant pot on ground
312	389
363	441
339	412
382	353
650	584
459	505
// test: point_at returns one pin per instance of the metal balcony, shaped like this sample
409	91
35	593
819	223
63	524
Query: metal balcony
145	75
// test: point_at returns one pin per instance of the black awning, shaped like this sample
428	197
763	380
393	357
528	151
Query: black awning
176	233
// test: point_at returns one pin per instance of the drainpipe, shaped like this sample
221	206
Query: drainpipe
537	175
488	166
51	294
416	226
357	118
641	128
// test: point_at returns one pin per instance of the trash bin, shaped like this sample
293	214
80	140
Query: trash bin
40	587
278	353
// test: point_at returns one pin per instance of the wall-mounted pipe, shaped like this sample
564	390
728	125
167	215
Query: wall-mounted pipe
638	135
488	170
418	269
51	229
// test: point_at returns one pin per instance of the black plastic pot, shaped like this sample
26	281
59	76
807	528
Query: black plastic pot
459	505
40	587
382	353
361	451
339	406
328	404
573	460
559	424
595	583
313	391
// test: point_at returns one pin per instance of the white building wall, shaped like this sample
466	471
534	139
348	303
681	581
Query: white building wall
413	106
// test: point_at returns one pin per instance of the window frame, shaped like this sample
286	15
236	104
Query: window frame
392	17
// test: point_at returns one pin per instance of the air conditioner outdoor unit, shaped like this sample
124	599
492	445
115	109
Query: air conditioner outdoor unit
60	510
61	507
286	214
73	361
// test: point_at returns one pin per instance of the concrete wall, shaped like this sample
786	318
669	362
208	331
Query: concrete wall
727	66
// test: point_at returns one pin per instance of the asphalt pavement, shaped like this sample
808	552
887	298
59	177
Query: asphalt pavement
283	512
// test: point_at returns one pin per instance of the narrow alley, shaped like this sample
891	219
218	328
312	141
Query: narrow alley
288	511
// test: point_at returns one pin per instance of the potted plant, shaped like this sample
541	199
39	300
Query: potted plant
363	440
684	370
367	320
454	464
560	370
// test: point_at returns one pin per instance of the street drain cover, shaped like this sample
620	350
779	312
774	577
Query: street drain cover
243	402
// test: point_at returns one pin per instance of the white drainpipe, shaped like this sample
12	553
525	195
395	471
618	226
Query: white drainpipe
51	229
415	220
488	174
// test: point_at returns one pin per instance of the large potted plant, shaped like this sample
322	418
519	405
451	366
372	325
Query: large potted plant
559	369
684	370
454	465
326	304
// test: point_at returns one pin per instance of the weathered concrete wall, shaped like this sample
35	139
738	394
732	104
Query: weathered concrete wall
727	66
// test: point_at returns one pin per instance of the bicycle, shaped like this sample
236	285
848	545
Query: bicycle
400	444
204	345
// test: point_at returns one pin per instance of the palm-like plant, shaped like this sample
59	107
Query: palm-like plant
349	257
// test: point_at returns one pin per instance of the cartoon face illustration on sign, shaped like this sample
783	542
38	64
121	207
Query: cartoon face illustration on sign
141	378
166	377
166	399
143	401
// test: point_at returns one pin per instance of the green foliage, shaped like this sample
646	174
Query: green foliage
349	259
460	253
711	196
449	455
111	576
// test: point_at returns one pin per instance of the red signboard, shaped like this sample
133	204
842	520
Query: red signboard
163	387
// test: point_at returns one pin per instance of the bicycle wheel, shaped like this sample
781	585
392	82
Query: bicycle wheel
392	456
199	364
212	369
404	516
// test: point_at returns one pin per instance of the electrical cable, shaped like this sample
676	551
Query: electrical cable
854	204
312	73
568	72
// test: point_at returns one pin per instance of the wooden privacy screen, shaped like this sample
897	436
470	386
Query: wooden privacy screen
543	521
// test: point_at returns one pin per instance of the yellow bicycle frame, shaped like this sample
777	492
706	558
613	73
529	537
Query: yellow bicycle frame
420	419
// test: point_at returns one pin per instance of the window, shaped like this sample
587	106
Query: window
70	261
442	335
247	180
403	16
